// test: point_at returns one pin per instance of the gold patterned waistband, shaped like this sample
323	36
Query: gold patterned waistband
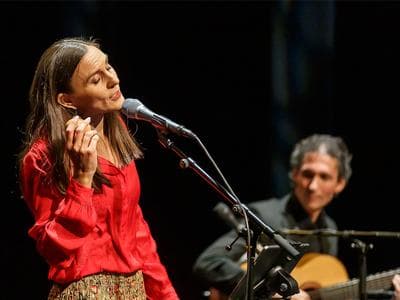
102	286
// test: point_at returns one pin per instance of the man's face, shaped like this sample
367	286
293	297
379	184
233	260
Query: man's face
317	181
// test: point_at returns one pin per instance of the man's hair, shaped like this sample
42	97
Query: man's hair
323	143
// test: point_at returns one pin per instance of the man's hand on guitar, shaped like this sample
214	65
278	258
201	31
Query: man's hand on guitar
302	295
396	285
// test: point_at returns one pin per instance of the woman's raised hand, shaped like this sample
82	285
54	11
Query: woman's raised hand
81	143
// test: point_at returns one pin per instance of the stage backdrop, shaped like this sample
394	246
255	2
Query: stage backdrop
249	79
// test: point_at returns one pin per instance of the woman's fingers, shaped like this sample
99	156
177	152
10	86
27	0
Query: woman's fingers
80	130
89	141
75	131
70	131
88	152
81	145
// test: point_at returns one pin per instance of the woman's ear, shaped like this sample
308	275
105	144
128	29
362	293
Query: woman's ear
65	100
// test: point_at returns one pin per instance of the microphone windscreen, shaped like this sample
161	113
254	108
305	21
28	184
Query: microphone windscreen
130	106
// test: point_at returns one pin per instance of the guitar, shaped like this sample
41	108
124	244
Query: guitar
324	277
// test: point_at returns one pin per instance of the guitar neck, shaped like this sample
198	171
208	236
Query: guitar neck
349	290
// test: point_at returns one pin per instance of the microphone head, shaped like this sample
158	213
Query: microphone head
130	107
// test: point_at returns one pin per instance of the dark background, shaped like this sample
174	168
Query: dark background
214	67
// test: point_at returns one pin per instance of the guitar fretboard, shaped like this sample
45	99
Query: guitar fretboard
349	290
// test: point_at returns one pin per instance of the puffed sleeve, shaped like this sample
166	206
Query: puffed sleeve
62	223
157	283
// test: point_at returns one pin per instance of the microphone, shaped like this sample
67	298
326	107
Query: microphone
226	214
134	109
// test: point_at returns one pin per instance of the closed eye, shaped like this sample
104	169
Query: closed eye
95	79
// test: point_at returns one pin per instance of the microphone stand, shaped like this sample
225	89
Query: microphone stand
341	233
362	267
187	162
357	244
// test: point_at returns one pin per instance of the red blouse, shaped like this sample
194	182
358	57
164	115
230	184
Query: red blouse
86	232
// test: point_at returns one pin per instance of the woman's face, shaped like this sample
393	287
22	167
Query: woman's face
95	85
317	181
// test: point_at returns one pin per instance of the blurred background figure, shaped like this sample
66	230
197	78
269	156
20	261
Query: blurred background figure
320	170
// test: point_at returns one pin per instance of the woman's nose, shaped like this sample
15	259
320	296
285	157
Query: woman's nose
113	79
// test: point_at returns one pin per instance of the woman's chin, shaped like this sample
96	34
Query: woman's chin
117	103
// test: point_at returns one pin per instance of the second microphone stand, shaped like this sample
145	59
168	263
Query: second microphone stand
259	226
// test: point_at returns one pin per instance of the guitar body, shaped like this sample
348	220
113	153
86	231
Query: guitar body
316	270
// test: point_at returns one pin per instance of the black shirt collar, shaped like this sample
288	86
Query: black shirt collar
303	221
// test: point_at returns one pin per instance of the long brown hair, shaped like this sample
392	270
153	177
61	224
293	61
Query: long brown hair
46	119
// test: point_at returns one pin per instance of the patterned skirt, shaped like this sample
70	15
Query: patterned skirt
103	286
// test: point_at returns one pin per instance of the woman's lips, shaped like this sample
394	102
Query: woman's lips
116	95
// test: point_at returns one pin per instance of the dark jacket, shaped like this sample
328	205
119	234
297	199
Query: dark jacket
216	267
